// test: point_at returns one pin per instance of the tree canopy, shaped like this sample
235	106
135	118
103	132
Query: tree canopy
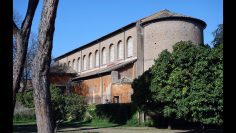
187	83
218	35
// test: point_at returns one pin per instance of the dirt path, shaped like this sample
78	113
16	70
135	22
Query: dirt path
120	130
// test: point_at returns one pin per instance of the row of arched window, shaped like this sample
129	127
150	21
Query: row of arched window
76	64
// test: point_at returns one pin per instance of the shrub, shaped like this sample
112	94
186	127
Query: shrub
58	103
116	113
90	113
22	113
65	107
26	98
74	107
134	120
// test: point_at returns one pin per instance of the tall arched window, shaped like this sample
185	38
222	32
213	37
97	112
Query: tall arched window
112	53
120	50
84	63
78	65
90	61
129	47
74	64
69	64
96	58
103	56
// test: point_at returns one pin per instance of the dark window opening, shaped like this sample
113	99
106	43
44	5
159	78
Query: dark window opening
116	99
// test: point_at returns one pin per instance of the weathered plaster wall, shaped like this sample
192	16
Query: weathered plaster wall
162	35
124	91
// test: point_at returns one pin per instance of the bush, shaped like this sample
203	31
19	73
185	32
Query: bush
74	107
24	117
58	103
116	113
90	113
133	121
26	98
65	107
22	113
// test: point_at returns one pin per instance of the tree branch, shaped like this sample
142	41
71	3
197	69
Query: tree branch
15	28
26	25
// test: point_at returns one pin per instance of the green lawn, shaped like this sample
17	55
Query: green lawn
96	123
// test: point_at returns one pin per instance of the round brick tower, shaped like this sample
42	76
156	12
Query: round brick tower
163	29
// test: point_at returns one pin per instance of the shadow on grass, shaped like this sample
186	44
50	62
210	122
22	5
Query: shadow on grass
63	127
81	126
206	131
29	128
180	124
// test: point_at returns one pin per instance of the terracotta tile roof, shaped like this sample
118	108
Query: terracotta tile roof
162	14
107	69
59	69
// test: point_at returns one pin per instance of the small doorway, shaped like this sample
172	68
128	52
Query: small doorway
116	99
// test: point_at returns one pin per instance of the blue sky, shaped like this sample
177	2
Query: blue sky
81	21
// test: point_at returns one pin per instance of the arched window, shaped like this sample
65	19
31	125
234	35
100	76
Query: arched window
96	58
90	61
112	53
74	64
129	47
69	64
103	56
120	50
84	63
78	65
64	64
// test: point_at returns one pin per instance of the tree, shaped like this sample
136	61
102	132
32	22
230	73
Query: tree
189	83
41	66
218	35
161	89
21	36
142	95
205	100
27	73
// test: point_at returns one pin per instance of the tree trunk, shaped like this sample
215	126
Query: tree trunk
22	38
169	124
40	68
18	67
203	128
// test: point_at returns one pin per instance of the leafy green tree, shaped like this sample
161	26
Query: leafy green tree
218	35
205	99
142	95
189	83
161	88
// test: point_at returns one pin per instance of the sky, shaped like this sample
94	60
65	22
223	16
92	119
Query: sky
79	22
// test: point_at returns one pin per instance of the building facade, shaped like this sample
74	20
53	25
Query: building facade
107	66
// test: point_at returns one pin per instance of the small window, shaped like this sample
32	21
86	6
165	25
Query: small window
90	61
84	63
129	47
78	65
120	50
103	56
96	59
69	64
74	64
112	53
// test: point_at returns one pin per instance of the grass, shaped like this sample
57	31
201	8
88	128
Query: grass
101	123
24	122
